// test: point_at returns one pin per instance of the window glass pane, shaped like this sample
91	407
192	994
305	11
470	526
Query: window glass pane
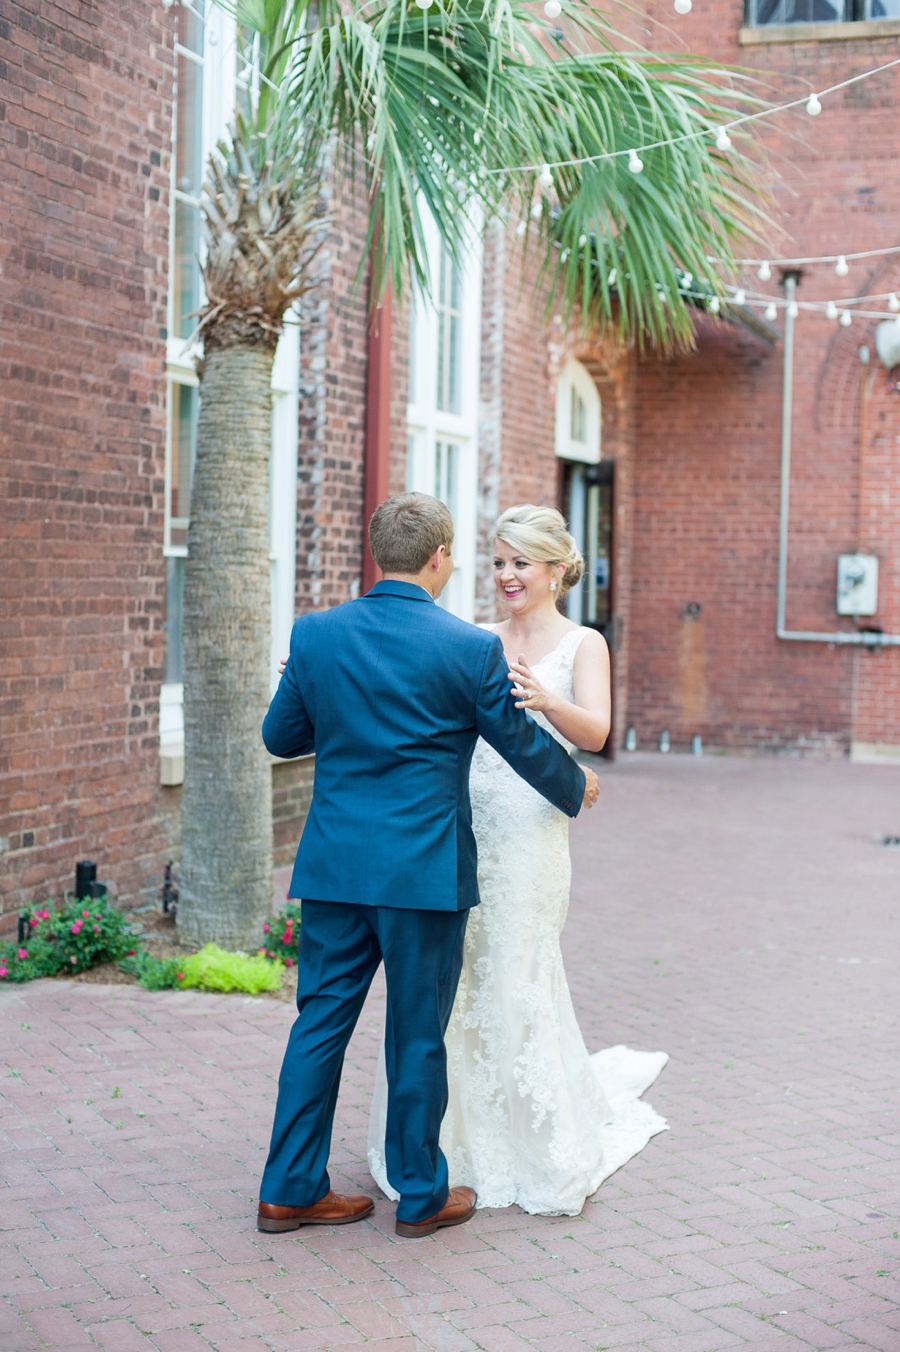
799	11
174	618
449	324
186	274
578	429
446	469
189	126
883	9
185	408
190	26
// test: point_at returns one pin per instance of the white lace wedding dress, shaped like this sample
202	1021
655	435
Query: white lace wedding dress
532	1117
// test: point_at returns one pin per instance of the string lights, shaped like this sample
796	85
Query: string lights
812	103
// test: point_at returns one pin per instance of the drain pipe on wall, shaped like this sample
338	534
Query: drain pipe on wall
854	637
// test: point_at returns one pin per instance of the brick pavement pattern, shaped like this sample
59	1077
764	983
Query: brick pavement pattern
739	913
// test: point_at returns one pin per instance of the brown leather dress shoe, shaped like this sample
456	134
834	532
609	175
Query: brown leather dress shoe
334	1209
459	1208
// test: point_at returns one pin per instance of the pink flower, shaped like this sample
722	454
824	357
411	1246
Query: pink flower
96	929
34	921
286	937
289	962
266	928
45	915
2	971
23	953
73	959
131	952
181	976
76	928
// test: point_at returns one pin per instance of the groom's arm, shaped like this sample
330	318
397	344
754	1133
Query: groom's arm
528	747
287	728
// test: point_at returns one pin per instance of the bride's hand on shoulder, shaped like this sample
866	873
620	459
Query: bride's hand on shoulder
527	689
591	787
281	666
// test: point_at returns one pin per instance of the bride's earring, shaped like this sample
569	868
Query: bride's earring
553	586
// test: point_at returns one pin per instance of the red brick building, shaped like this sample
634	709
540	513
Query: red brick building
475	397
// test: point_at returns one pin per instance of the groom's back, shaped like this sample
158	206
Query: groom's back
389	684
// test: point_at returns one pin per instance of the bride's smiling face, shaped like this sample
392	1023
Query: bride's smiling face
523	584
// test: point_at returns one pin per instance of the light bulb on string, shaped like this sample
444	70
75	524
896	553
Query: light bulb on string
841	267
793	310
635	163
564	255
582	240
740	296
771	311
846	319
893	303
723	140
521	228
553	9
545	178
765	272
714	306
813	106
682	6
611	279
831	310
536	211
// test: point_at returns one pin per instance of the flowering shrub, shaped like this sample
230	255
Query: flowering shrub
79	935
281	935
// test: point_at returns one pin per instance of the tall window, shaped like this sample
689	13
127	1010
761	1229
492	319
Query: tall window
442	416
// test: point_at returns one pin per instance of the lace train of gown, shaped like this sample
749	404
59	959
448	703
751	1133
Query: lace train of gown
532	1117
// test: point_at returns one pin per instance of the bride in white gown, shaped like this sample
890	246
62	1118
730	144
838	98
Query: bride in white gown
532	1118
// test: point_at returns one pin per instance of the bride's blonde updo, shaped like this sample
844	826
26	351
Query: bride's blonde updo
540	535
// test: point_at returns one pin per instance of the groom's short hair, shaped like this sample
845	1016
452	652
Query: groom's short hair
406	530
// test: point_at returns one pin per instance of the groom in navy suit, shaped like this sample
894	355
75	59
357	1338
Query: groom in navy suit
391	693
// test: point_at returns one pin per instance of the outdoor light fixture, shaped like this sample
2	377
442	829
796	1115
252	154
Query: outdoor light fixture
887	343
635	163
765	272
831	310
723	140
813	106
771	311
553	9
682	6
841	266
740	296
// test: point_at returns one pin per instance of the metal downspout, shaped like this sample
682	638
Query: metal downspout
855	638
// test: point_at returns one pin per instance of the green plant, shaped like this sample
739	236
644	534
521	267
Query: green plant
282	934
79	935
155	974
212	969
90	932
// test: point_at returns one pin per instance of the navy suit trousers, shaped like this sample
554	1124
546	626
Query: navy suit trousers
341	945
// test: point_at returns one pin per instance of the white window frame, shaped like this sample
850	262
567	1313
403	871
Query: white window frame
574	379
427	425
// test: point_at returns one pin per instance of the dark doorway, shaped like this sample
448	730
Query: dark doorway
588	504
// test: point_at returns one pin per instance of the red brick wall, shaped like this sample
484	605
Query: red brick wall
85	132
708	443
333	366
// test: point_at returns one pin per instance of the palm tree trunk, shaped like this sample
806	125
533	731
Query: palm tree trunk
226	816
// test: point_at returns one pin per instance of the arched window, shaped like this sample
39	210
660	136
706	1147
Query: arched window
577	415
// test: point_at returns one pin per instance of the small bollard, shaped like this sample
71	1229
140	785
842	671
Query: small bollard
631	740
664	744
696	745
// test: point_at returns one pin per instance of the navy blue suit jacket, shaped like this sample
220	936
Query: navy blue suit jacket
391	693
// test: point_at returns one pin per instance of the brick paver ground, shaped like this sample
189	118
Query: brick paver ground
741	914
